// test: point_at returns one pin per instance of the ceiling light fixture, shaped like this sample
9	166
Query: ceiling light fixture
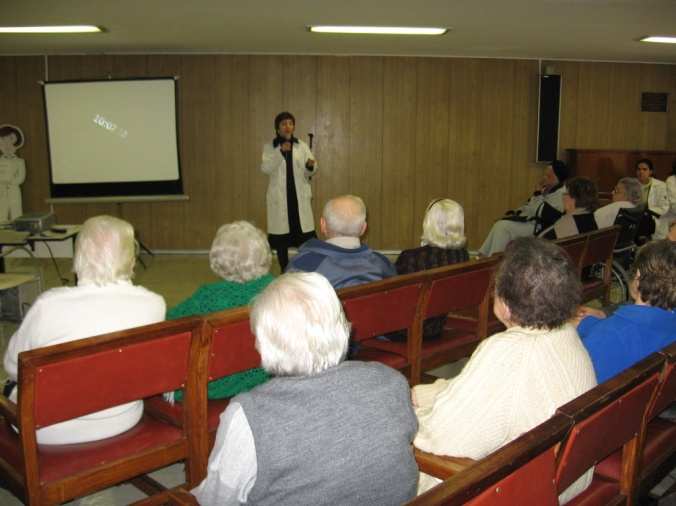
51	29
665	39
378	30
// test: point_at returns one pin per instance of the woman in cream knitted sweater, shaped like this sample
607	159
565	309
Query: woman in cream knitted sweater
516	379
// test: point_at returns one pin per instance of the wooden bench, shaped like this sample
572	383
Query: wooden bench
66	381
591	429
374	309
607	418
232	349
455	288
598	252
657	442
521	472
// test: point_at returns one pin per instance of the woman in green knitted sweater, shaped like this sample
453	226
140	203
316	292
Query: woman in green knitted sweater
240	254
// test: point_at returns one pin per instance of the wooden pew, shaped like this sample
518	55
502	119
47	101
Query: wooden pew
521	472
232	349
599	251
575	246
374	309
594	426
657	442
69	380
459	288
607	418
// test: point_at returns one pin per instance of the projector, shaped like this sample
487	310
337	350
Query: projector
34	222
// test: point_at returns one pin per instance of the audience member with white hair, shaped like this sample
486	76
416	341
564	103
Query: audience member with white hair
341	258
443	242
241	256
626	195
104	300
323	430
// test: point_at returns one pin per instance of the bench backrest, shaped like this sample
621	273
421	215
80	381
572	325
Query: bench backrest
575	247
600	246
384	306
521	472
69	380
666	391
233	347
459	286
606	417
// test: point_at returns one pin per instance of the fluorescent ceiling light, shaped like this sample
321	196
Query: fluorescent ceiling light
50	29
659	38
379	30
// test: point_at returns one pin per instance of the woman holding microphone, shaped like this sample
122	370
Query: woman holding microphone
290	165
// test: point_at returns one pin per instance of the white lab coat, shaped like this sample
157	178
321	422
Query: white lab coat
12	174
658	202
662	226
274	165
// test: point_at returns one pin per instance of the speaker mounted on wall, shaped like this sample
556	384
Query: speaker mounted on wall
548	117
654	102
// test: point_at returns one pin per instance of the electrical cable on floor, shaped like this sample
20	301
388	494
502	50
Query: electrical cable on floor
64	281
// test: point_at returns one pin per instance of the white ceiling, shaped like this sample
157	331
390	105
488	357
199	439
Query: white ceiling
549	29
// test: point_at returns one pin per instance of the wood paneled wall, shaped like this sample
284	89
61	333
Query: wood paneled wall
396	131
601	106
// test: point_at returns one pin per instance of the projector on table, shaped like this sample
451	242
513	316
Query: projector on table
35	222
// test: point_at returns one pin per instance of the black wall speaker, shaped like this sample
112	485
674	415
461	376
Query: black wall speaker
548	117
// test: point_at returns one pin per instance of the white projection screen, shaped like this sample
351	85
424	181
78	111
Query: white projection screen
113	138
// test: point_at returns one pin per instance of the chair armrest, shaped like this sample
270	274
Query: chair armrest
8	410
441	467
162	410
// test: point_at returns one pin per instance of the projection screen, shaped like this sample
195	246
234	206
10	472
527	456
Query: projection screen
113	138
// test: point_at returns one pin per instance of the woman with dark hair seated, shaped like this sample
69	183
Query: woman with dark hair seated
515	379
580	200
636	330
443	242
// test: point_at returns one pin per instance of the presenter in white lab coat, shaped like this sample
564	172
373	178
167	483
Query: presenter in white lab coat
654	195
12	173
290	165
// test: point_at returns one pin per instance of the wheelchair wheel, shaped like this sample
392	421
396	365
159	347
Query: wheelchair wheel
619	286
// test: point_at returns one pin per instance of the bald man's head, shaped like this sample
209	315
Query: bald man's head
344	216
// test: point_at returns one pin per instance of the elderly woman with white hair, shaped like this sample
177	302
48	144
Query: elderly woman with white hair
626	195
323	430
241	256
443	242
104	300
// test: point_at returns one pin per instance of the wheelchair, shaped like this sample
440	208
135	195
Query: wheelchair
634	223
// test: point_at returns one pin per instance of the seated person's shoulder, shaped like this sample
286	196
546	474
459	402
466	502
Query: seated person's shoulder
383	374
306	261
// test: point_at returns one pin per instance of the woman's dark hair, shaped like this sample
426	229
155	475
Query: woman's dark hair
281	117
648	162
7	130
673	168
560	170
538	283
584	192
655	265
